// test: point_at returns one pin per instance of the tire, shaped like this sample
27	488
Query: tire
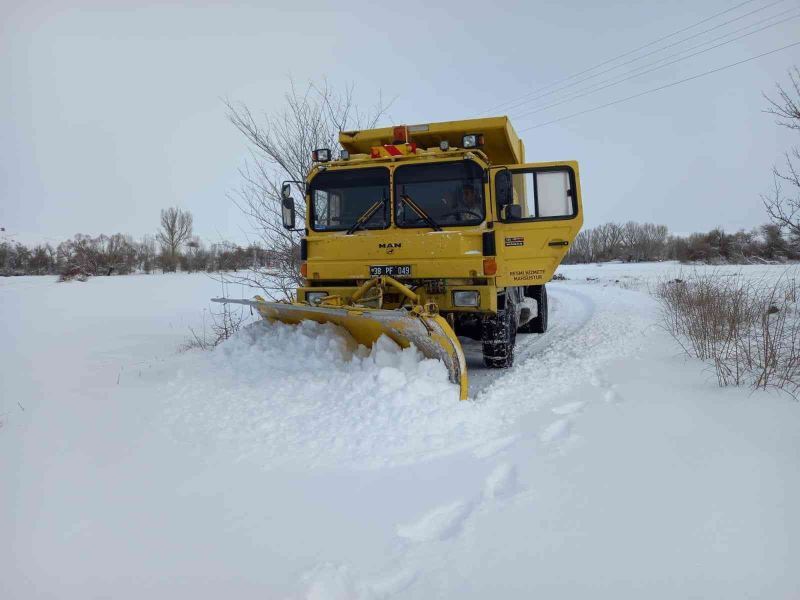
498	336
538	324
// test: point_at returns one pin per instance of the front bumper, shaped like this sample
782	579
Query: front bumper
487	296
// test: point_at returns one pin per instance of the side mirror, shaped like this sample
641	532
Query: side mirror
504	189
287	210
511	212
286	190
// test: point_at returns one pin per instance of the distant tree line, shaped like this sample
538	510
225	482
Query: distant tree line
172	248
120	254
637	242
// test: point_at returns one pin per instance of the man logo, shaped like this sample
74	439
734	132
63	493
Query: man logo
389	247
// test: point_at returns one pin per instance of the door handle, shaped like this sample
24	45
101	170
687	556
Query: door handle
558	243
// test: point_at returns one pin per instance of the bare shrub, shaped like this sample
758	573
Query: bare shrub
75	273
221	325
224	323
101	255
749	330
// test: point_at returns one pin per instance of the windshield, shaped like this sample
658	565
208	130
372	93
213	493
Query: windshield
338	199
448	193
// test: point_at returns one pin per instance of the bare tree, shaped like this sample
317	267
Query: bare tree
643	241
581	249
146	250
176	228
784	209
607	241
280	148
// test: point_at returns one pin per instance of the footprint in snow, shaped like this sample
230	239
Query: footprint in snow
438	524
611	395
393	584
556	431
331	580
569	408
501	483
494	447
597	379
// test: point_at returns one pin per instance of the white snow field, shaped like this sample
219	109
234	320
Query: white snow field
289	463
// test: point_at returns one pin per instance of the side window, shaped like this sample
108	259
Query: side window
554	194
544	194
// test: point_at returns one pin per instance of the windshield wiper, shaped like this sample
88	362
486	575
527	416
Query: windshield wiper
420	213
367	215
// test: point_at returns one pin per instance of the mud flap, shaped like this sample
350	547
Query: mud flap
430	333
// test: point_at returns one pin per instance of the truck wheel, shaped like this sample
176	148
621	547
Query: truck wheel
539	323
498	334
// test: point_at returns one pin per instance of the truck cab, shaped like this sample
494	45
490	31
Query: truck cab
452	211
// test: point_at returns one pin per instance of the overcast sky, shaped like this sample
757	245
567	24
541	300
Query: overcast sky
113	110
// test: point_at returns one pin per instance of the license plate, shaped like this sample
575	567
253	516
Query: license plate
391	270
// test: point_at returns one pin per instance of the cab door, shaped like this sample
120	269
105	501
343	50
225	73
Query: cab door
538	212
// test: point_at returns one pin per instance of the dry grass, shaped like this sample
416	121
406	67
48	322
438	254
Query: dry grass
749	330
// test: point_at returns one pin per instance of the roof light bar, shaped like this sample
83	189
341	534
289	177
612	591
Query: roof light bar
400	134
321	155
472	140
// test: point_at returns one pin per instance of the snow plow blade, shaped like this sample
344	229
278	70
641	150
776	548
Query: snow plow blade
428	331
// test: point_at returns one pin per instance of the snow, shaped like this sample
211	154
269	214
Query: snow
290	463
330	402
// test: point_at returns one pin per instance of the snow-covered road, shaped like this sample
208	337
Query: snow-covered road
570	309
290	464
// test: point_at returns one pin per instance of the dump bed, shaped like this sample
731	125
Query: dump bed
501	143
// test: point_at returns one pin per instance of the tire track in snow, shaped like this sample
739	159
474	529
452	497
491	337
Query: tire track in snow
571	310
590	326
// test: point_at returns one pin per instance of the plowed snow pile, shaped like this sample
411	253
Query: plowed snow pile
308	394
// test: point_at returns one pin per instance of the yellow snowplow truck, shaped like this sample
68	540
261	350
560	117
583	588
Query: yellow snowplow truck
428	232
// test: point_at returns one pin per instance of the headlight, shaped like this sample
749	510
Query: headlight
466	298
321	155
315	297
472	140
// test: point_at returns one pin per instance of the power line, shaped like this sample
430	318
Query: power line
521	102
624	54
663	87
607	84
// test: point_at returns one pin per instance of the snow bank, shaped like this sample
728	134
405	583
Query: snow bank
308	394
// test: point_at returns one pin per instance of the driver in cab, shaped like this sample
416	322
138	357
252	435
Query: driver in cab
470	207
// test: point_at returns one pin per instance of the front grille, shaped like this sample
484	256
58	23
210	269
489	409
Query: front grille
434	286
